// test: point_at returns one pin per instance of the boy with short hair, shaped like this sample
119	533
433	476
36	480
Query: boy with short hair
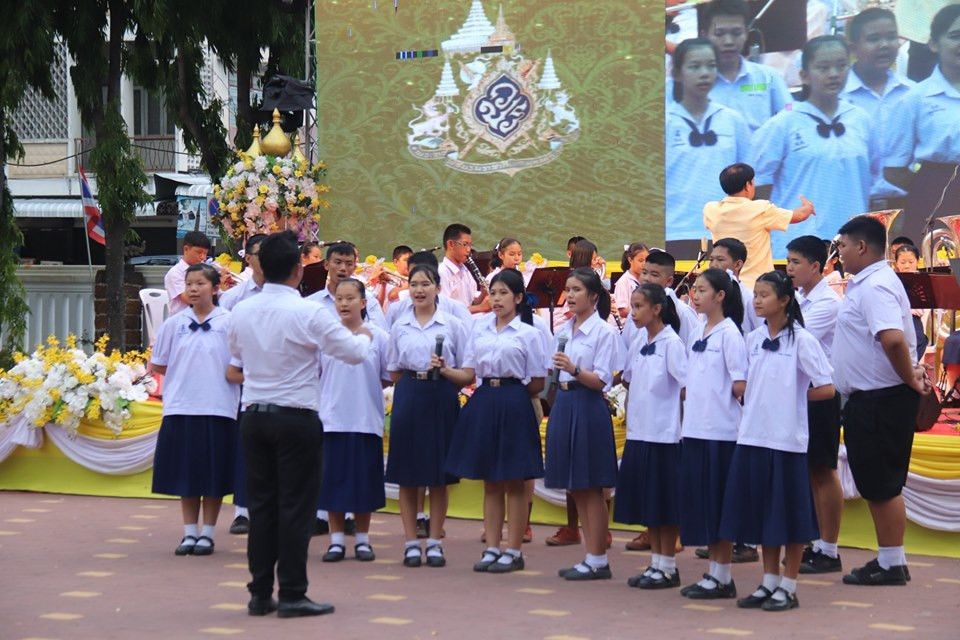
729	254
341	263
455	279
196	245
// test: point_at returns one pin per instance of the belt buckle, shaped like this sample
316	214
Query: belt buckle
494	382
565	386
422	375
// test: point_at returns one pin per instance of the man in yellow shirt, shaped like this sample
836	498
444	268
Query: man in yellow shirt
749	221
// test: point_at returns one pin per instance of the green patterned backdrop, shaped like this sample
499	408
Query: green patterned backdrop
605	181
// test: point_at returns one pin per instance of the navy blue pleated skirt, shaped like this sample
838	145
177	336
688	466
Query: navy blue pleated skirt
421	428
352	473
648	485
195	456
767	499
704	467
581	451
497	437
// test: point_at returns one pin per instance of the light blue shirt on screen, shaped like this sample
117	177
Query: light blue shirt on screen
925	125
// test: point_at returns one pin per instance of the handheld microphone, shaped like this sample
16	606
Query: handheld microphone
435	374
561	345
326	243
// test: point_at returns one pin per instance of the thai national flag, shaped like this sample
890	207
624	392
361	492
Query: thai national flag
91	211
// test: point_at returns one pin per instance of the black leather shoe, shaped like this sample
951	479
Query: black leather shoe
600	573
423	527
203	549
186	549
261	606
515	565
690	587
435	561
411	559
873	575
635	580
660	580
364	552
303	607
702	552
240	525
755	602
819	562
789	602
722	591
486	560
350	527
321	527
743	553
335	553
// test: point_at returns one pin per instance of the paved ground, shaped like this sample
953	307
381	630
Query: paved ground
79	567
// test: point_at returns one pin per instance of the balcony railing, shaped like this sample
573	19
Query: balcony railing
158	153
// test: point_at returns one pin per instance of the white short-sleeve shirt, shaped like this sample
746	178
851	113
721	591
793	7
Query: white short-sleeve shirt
623	290
690	324
411	345
594	346
195	383
923	126
775	404
653	409
516	351
710	411
374	310
174	282
242	291
835	173
875	301
351	395
449	306
819	307
456	282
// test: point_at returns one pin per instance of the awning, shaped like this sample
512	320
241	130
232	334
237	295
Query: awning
170	185
61	208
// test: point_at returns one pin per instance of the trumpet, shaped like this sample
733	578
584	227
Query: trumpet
393	278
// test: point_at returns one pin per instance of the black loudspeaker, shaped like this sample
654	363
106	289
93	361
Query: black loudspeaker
291	97
291	6
783	26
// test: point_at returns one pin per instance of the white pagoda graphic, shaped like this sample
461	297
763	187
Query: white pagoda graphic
493	110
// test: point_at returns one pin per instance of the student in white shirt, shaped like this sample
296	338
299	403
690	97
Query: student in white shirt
716	379
341	263
648	483
767	498
425	409
497	438
352	412
508	254
581	454
197	439
276	338
874	356
819	305
446	304
632	265
458	281
824	148
729	254
702	137
872	85
196	245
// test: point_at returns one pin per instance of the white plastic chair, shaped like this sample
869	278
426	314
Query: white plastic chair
156	308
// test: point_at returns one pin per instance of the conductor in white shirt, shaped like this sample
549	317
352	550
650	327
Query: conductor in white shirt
276	339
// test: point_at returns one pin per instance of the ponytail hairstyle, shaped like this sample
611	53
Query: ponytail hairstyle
720	280
432	275
495	259
582	254
783	287
362	290
513	280
630	252
655	294
589	279
680	56
210	273
810	50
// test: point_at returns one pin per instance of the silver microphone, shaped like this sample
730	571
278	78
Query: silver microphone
561	345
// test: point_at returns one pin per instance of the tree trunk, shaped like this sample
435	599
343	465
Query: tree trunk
245	116
3	155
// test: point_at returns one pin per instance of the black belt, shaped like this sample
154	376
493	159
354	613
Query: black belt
416	375
275	408
881	393
501	382
570	386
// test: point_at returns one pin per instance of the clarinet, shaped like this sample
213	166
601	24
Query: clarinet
616	318
475	272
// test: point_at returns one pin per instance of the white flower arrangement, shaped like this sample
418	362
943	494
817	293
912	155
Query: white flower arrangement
64	385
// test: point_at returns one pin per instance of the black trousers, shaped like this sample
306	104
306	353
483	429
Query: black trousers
284	457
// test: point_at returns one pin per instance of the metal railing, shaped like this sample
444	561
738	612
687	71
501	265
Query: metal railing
158	153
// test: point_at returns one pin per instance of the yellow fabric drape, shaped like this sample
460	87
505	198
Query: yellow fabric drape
935	456
145	417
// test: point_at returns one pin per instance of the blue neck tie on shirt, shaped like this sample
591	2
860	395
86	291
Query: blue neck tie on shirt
700	345
707	138
648	349
825	129
770	345
205	325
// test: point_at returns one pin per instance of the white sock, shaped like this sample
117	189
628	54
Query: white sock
337	537
207	531
409	546
655	560
788	585
437	550
708	583
818	545
490	554
191	530
582	567
322	515
903	557
362	538
890	556
712	571
770	582
421	515
723	573
828	548
241	511
668	565
595	562
509	556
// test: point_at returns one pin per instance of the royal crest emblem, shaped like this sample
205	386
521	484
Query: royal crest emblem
514	115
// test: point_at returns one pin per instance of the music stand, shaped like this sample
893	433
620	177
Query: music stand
314	279
933	289
483	258
547	285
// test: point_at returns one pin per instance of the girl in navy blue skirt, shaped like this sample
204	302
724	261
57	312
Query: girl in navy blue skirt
768	491
497	438
716	379
648	484
352	412
425	408
197	439
581	452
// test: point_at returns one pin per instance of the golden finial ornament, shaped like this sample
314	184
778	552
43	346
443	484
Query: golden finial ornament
254	149
276	143
298	156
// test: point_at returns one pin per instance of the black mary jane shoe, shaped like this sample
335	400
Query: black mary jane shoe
599	573
261	606
486	560
660	580
789	602
516	564
635	580
204	549
364	552
753	601
335	553
412	557
721	591
186	549
690	587
435	561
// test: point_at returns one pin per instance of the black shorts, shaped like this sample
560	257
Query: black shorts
878	429
823	418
